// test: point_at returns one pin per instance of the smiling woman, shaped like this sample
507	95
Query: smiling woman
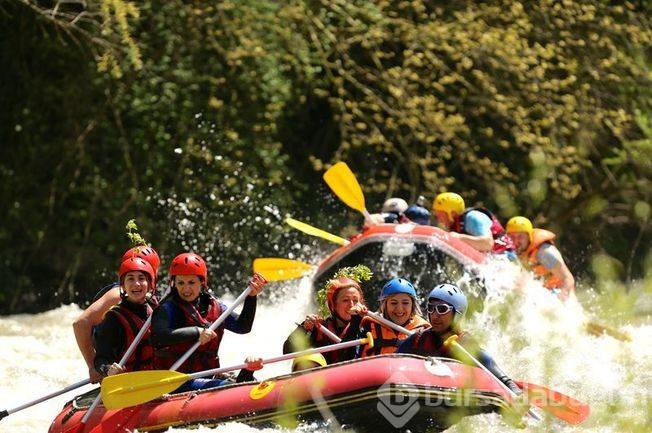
123	322
189	325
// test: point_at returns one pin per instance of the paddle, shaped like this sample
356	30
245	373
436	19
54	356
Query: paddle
76	385
130	350
342	181
452	340
124	418
283	269
389	323
327	332
314	231
598	329
287	269
557	404
275	269
129	389
239	300
553	402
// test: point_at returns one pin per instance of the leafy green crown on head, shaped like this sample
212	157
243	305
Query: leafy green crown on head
357	273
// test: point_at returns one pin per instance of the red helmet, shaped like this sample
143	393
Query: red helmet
137	264
144	252
340	283
189	264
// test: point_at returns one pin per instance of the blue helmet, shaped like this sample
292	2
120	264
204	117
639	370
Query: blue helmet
451	294
418	214
398	285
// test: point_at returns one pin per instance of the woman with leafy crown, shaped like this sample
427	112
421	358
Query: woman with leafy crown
342	309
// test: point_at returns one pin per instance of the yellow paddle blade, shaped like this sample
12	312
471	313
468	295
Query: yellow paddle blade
130	389
598	329
281	269
314	231
342	181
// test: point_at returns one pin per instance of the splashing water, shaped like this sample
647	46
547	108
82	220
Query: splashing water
531	334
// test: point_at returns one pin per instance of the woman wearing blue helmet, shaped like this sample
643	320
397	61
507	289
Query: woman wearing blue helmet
446	307
398	303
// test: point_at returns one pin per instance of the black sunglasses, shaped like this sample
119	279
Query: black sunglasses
440	309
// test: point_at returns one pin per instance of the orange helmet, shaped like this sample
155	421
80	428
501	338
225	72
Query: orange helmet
189	264
336	285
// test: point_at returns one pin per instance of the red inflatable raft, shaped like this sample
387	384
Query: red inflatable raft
425	255
389	392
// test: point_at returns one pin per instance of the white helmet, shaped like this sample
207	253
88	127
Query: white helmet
395	205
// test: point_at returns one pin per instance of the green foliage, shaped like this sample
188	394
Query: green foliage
115	25
132	233
357	273
211	119
516	105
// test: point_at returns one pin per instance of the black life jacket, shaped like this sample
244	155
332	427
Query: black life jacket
142	357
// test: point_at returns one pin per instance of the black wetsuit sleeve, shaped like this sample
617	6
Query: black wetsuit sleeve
164	330
109	342
488	361
352	333
245	376
406	345
355	329
474	349
242	323
299	339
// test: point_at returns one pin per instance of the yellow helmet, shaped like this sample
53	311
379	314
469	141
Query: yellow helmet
300	362
519	224
449	202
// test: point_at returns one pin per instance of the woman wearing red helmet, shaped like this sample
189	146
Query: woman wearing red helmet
184	317
106	298
123	321
345	303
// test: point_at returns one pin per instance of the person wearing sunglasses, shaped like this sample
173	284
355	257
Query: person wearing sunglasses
446	307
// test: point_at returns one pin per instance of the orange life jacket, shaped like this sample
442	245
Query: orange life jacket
387	340
530	261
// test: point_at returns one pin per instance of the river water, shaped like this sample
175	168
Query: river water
533	336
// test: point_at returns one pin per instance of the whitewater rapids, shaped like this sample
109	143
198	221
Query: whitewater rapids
530	333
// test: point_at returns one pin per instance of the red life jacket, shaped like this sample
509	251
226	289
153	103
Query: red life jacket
502	242
427	343
205	357
529	258
142	357
387	340
319	339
